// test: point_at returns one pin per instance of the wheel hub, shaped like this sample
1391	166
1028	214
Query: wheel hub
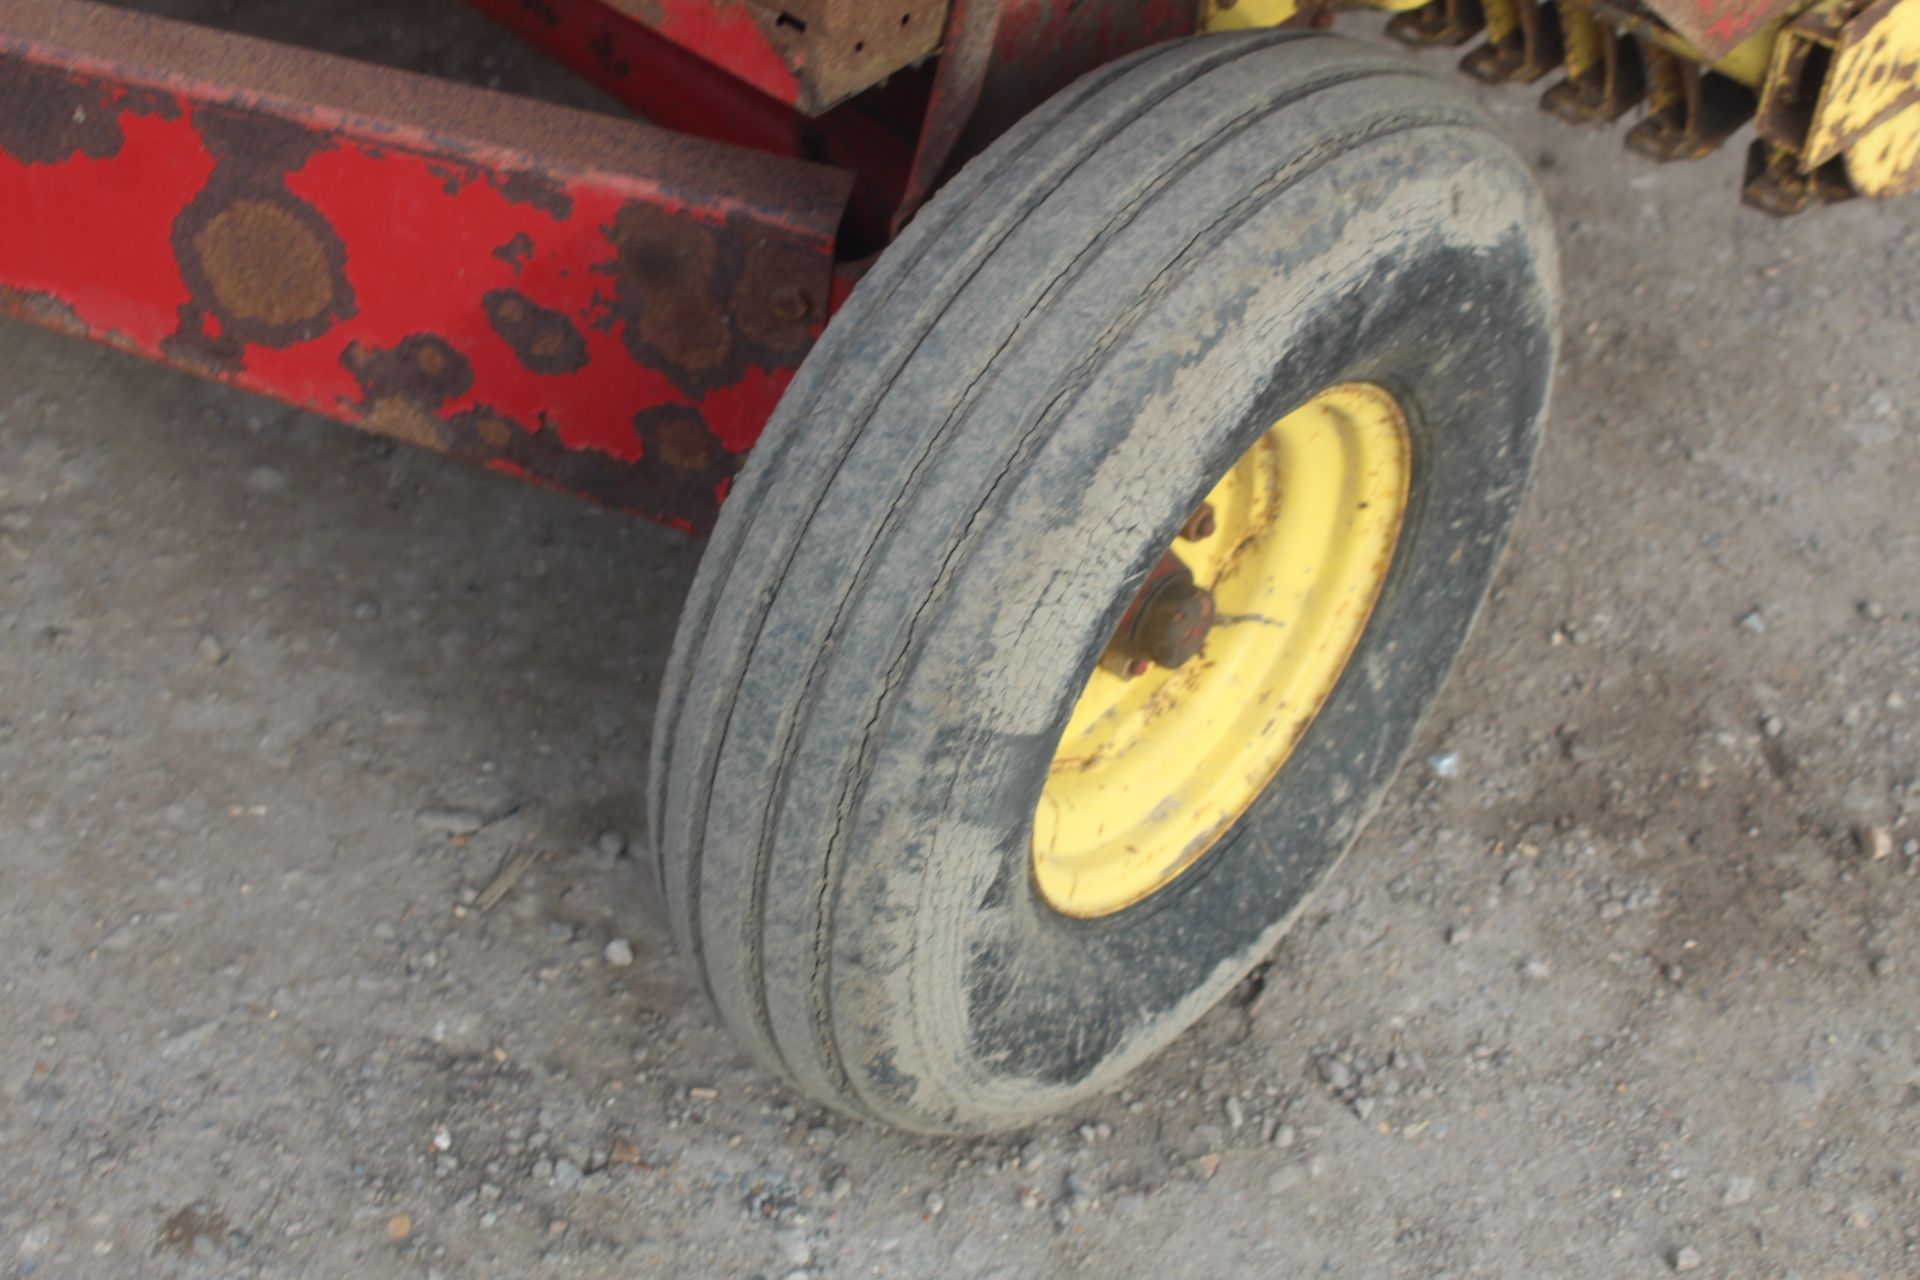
1225	654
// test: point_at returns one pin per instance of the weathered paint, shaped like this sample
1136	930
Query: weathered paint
593	304
680	88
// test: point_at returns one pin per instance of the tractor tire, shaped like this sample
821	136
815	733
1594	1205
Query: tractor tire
925	565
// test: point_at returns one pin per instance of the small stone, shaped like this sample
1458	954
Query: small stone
611	844
1445	764
567	1173
1883	966
1336	1073
1871	610
934	1203
1029	1199
1537	969
1754	621
211	651
1236	1114
1284	1137
450	821
1458	934
1739	1190
1207	1165
1685	1258
1773	726
1874	841
703	1093
399	1226
1363	1107
794	1247
619	953
840	1188
265	480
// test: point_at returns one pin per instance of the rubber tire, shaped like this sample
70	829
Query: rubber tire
993	441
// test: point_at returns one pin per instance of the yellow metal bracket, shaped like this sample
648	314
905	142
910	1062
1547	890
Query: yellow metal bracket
1844	82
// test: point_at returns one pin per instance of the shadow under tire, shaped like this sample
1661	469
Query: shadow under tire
995	440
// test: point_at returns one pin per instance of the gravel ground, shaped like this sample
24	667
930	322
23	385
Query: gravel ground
1619	983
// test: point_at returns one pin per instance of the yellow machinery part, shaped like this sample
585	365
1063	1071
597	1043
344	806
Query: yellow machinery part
1833	85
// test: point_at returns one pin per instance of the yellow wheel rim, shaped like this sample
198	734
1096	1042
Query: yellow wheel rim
1154	768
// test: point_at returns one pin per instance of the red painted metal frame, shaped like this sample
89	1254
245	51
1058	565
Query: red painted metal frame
679	90
595	304
598	305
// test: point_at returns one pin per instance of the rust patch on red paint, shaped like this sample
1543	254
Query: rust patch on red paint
681	443
263	266
515	252
771	305
42	308
48	117
663	280
679	439
536	191
544	339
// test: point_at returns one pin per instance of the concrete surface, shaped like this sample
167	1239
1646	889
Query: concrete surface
1621	981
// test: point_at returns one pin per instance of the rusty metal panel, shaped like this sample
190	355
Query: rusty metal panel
1002	58
678	89
1714	27
811	54
1840	72
593	304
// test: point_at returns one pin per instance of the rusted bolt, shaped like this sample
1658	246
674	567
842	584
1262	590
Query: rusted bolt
789	304
1166	623
1173	621
1200	524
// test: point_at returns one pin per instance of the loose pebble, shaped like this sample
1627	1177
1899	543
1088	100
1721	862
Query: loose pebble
450	821
1875	842
1685	1258
619	953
